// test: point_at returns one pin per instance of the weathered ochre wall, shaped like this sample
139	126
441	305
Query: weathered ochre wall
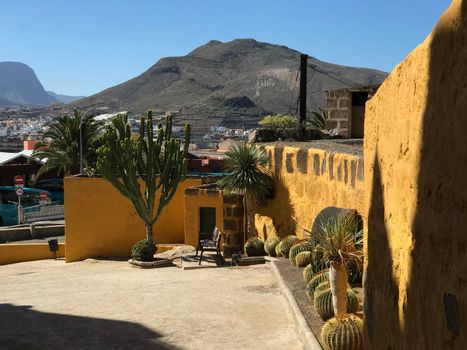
416	196
100	222
196	198
307	181
13	253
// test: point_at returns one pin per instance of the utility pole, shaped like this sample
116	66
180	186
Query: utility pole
303	81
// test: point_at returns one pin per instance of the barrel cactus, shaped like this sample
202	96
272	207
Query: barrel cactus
254	247
324	307
303	259
322	286
319	278
343	333
270	245
301	246
278	249
311	269
286	244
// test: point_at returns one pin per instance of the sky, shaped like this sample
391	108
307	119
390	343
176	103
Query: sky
82	47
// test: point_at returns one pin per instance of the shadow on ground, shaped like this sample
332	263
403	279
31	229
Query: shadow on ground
23	328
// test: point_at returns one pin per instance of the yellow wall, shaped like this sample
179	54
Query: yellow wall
195	198
100	222
13	253
416	196
307	181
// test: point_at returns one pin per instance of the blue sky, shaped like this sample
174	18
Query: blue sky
82	47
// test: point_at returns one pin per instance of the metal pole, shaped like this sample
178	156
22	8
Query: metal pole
303	81
81	145
20	211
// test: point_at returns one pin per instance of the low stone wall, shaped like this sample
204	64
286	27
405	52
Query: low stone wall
14	253
307	181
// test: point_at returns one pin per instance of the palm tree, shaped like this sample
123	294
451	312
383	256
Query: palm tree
60	148
247	176
340	243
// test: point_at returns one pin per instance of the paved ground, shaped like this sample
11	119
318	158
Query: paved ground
110	305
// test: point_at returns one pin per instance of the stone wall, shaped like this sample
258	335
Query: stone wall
339	110
416	197
307	181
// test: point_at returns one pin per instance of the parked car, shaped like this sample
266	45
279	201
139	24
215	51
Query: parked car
9	203
54	186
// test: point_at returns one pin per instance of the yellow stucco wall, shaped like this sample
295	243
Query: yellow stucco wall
100	222
416	196
196	198
13	253
307	181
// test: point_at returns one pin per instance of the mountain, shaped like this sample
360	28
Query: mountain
64	98
230	84
19	86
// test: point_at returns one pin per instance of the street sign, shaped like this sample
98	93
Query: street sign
19	181
43	198
19	191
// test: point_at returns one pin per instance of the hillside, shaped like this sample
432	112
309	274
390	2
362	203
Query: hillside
231	84
64	98
19	86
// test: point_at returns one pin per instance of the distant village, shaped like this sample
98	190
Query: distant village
18	124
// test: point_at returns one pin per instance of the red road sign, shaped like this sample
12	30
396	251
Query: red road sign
43	196
19	181
19	191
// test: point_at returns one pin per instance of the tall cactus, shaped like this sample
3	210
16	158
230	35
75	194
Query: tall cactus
160	162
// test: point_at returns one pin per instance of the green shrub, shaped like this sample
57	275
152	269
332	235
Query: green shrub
254	247
279	122
270	245
143	250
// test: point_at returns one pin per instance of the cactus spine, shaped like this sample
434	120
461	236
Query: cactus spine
270	245
323	303
286	244
254	247
299	247
343	333
303	259
160	162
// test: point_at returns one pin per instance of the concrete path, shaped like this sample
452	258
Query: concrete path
110	305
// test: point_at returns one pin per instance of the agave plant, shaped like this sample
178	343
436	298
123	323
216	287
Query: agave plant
317	119
340	242
247	176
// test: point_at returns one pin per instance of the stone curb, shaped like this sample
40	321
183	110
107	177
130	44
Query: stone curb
308	339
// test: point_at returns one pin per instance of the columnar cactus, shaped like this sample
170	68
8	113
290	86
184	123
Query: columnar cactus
301	246
159	161
286	244
324	307
303	259
270	245
254	247
319	278
343	333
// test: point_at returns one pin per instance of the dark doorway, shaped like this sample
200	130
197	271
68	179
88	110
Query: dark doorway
358	114
207	220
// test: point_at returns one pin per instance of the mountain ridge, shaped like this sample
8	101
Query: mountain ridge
223	83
